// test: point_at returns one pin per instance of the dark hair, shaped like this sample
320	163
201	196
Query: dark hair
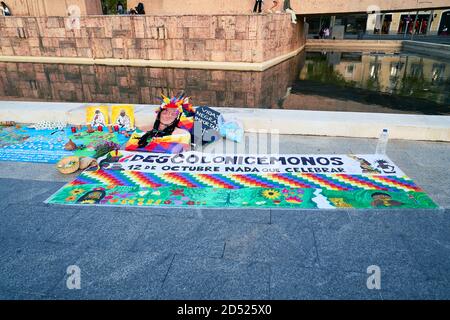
143	141
380	194
140	8
88	194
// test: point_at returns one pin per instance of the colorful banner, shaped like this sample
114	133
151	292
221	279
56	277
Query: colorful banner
196	162
47	146
31	145
362	181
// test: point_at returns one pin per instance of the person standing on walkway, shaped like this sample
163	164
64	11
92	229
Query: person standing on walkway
258	4
4	9
326	32
120	8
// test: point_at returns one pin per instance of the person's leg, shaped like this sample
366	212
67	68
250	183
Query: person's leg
260	6
256	6
293	15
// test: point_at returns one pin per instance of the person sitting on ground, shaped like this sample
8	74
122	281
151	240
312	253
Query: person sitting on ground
4	9
166	122
140	8
321	33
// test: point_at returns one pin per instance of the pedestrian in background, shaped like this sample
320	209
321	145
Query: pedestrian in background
258	5
140	8
4	9
120	8
287	8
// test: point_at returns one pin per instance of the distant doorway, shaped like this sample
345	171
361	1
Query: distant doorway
410	24
445	24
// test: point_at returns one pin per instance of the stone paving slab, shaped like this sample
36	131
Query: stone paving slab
157	253
210	278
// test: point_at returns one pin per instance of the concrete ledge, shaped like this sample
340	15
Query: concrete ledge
356	45
346	124
321	123
209	65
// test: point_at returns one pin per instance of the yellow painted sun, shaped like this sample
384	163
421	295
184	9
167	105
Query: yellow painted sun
271	194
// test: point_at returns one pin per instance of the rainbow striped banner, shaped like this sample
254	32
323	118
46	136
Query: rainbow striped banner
127	179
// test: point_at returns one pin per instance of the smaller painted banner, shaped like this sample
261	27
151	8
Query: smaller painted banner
196	162
47	146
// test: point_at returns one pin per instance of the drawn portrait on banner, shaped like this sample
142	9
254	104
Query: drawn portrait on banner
97	116
123	117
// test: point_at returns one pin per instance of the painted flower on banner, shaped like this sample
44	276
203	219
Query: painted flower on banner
271	194
71	198
177	192
76	191
295	200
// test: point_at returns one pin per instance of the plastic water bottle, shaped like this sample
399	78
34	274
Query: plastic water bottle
382	142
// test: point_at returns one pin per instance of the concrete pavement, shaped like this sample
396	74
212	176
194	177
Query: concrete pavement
151	253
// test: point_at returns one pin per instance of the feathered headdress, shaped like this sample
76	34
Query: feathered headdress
180	102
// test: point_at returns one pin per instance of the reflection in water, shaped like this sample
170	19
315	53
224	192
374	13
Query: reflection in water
338	81
411	83
112	84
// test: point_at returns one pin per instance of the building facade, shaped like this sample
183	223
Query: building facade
423	22
431	22
48	8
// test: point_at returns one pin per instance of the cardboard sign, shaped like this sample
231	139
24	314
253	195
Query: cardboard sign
207	119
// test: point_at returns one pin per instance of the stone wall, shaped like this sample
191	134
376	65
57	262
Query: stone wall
301	7
138	85
231	38
43	8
